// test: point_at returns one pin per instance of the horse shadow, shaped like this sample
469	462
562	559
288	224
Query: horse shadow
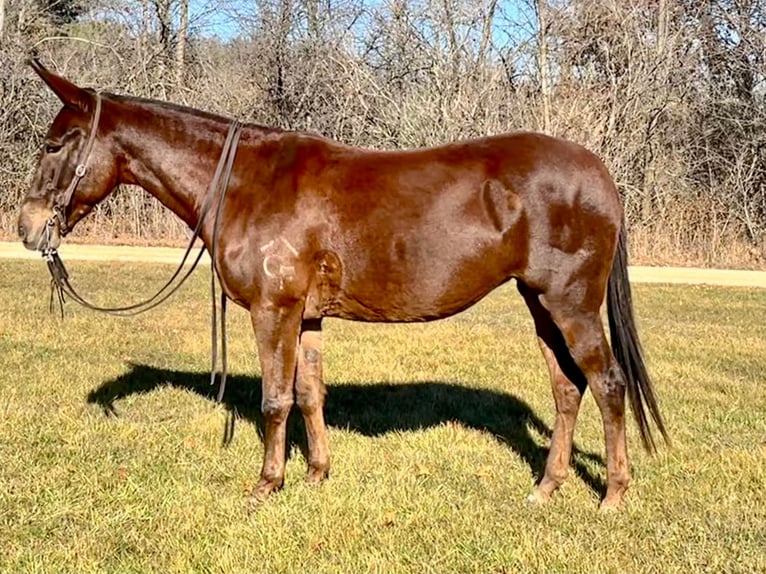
369	409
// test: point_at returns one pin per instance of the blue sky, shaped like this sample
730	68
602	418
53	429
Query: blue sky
213	21
212	17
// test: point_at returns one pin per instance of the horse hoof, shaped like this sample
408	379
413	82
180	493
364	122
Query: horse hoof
317	476
253	504
263	491
538	497
609	506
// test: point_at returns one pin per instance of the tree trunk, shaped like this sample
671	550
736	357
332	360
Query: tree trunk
284	24
454	53
162	8
2	20
21	22
486	33
183	28
542	62
662	26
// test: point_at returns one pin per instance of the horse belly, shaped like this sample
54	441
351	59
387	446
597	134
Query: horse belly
430	252
423	279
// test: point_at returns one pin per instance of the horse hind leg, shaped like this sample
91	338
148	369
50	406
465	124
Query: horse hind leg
568	385
309	395
578	319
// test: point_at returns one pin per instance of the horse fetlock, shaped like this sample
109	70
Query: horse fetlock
554	478
617	485
619	481
551	481
613	500
266	486
317	472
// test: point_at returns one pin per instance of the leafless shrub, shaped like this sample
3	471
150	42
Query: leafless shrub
671	93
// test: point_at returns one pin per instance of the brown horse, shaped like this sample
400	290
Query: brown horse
311	228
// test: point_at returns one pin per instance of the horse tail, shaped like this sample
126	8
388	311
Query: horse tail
627	348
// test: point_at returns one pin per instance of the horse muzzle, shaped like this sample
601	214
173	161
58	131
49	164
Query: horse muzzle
38	228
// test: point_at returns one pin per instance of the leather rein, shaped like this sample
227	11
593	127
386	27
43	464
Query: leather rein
61	286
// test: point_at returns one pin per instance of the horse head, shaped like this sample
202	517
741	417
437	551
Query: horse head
76	167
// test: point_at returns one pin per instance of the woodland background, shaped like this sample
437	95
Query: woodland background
670	93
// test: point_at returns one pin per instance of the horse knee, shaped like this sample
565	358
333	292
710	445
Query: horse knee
309	389
276	408
309	397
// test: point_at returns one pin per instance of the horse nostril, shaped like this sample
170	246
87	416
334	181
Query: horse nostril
22	231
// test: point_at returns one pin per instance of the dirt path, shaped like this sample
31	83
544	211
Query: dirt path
172	255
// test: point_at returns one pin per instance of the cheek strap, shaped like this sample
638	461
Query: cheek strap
59	210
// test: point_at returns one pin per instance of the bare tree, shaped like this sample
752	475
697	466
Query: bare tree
183	30
671	93
2	21
541	9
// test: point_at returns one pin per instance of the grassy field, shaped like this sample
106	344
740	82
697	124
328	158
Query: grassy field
111	454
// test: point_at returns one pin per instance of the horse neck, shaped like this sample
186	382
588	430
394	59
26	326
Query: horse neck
171	152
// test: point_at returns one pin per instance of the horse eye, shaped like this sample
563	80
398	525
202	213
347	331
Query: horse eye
52	148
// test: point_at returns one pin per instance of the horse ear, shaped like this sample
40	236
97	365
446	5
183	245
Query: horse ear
70	95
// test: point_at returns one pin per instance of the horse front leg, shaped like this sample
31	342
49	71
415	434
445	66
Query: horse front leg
276	330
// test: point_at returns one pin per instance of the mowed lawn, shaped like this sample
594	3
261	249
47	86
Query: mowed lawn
112	456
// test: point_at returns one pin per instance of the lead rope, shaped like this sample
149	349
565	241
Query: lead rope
60	277
213	268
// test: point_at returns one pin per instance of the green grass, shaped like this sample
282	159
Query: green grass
111	455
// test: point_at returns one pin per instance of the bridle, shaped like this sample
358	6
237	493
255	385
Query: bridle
60	209
61	286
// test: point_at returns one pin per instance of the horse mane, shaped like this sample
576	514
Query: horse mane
161	105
